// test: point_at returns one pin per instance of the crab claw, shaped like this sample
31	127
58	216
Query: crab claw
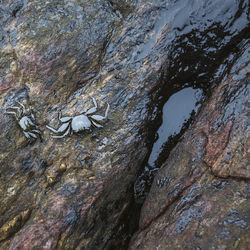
61	129
99	117
61	136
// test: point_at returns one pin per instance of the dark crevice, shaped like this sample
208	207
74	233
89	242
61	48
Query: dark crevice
16	9
124	230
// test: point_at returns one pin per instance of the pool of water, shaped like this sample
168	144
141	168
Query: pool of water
177	114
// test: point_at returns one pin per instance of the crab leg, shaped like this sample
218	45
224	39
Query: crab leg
26	135
36	131
61	129
27	123
61	136
94	101
29	134
11	113
32	134
18	110
24	109
92	110
13	107
64	119
32	117
96	124
52	129
106	112
99	117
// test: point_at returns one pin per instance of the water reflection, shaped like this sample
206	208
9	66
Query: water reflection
176	111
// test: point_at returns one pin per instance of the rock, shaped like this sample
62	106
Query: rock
70	193
54	56
199	197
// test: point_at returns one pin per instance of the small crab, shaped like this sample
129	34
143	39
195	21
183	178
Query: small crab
80	122
25	119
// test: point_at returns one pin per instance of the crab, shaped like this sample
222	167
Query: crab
25	119
79	123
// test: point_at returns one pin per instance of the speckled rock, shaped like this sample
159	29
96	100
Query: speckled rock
200	196
70	193
54	55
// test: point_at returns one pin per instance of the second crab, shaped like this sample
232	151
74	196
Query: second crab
80	122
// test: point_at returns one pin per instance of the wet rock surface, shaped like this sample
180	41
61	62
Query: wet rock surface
70	193
199	198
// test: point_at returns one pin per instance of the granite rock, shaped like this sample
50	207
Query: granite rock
199	198
70	193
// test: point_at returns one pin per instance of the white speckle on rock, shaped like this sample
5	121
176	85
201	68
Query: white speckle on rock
47	245
105	140
103	143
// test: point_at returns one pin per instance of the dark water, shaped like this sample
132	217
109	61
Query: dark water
177	113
